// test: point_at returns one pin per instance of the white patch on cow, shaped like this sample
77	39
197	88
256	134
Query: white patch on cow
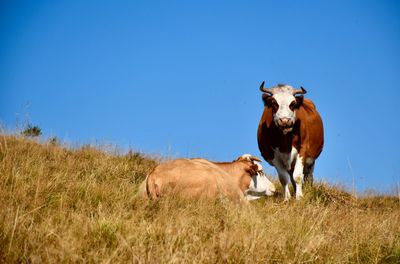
260	186
293	155
284	98
298	176
246	156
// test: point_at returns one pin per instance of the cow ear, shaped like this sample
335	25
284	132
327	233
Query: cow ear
266	99
299	100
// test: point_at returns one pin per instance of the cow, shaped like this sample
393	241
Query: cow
290	135
238	180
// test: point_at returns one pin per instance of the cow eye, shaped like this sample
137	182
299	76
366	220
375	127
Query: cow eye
292	105
273	104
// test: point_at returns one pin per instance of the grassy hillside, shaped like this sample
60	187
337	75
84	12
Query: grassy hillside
60	204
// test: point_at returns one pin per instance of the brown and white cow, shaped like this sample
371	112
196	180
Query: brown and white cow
290	135
201	178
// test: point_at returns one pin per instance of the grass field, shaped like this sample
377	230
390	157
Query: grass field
79	205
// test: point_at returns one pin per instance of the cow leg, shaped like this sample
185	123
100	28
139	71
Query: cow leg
292	180
284	178
308	173
298	176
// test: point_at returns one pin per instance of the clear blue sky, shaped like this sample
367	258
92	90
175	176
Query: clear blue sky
181	78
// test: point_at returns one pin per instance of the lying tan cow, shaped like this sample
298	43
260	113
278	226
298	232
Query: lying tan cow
201	178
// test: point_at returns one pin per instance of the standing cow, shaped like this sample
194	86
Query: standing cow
290	135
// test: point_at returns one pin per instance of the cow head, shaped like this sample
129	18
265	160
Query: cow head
252	160
259	184
284	100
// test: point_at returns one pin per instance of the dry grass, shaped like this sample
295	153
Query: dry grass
59	204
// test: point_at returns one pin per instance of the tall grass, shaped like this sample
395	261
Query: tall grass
79	205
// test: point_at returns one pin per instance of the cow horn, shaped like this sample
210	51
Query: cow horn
254	158
299	91
265	90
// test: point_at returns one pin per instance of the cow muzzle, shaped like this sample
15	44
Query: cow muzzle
285	123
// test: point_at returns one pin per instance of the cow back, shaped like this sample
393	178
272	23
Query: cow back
197	178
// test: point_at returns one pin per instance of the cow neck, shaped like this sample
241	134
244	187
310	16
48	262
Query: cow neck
226	166
235	170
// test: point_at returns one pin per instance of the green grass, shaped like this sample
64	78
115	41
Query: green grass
80	205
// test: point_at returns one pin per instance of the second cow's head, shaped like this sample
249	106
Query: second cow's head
283	100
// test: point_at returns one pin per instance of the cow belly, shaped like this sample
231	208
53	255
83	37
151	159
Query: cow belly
284	159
